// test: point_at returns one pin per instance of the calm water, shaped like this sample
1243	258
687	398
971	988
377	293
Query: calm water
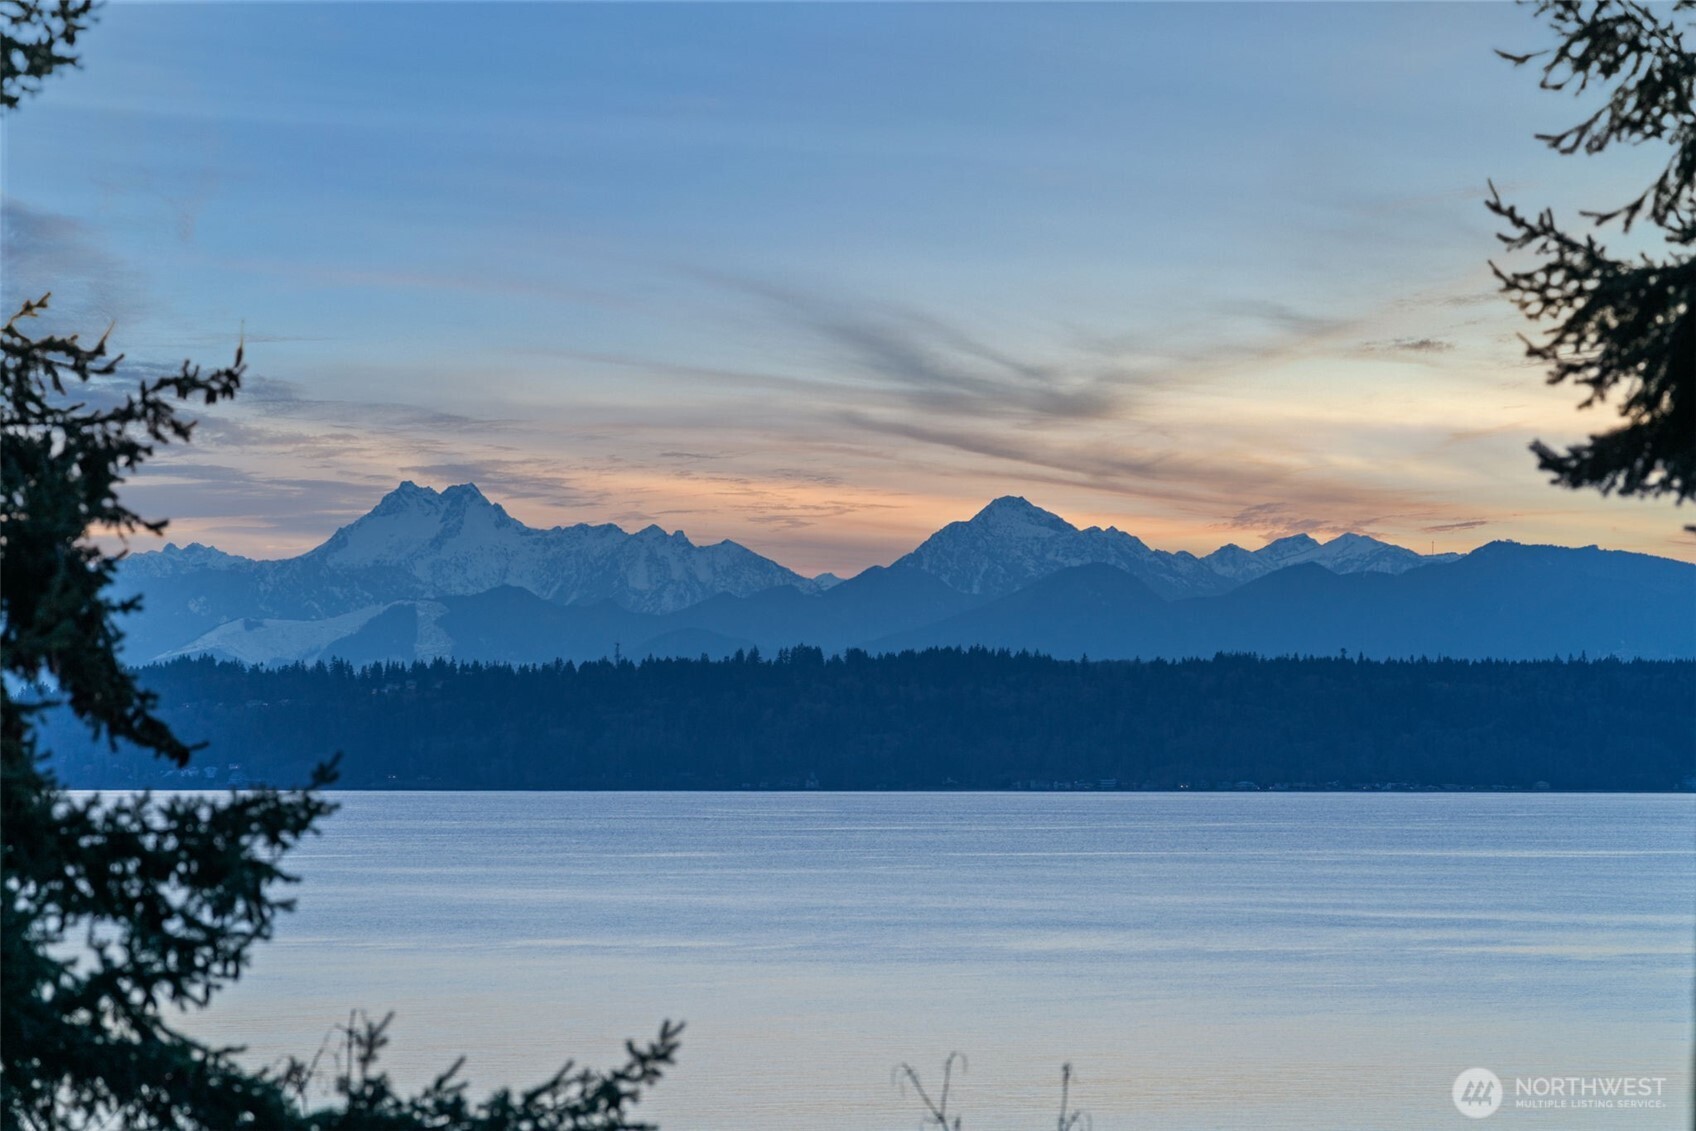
1204	961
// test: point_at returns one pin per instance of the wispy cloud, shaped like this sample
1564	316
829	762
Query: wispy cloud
1410	345
49	251
936	365
269	396
218	500
885	400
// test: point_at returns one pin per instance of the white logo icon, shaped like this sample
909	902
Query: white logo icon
1477	1093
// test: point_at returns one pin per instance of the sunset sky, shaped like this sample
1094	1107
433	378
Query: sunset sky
820	278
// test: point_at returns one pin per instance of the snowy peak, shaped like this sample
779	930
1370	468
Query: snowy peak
175	559
422	544
409	497
1016	516
654	533
1346	553
418	543
405	493
1281	552
385	577
1291	545
1012	542
456	543
466	492
1356	553
411	522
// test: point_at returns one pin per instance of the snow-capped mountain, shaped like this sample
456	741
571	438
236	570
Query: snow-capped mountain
1012	542
457	542
420	544
449	573
1502	601
1346	553
175	559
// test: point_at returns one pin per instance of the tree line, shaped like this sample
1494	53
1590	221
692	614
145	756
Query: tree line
936	719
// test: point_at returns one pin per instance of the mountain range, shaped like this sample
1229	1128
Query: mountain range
432	574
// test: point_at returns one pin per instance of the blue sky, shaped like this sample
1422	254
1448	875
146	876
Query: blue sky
822	277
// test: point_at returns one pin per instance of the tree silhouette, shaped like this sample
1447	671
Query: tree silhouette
40	38
1623	326
116	908
166	897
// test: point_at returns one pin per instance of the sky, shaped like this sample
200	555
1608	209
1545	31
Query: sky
821	278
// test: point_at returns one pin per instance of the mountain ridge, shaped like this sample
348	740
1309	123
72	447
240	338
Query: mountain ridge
1005	520
421	544
395	583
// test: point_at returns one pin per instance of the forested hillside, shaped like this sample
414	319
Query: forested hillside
935	719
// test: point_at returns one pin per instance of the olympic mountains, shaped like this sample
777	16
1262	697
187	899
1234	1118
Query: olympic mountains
430	574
